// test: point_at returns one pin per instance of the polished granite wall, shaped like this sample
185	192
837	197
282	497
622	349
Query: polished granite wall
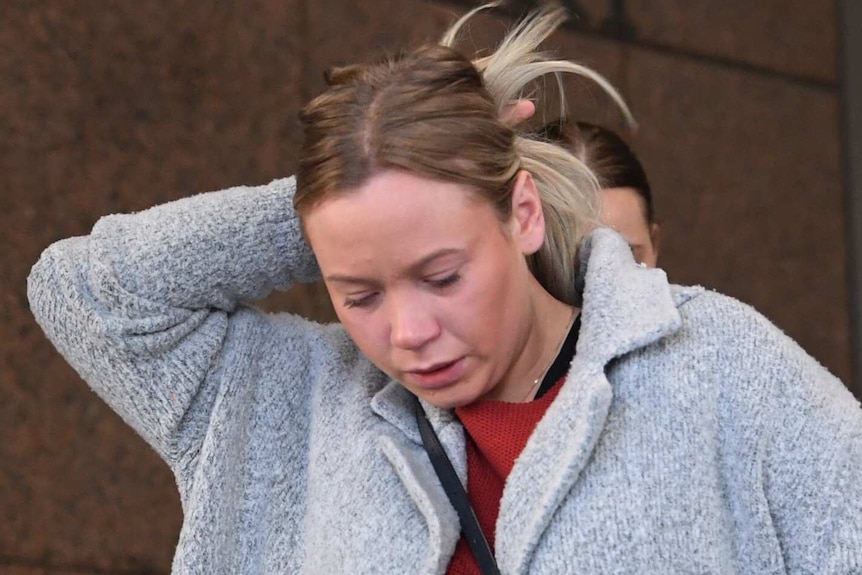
109	106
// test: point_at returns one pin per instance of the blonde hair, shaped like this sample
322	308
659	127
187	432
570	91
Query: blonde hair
436	113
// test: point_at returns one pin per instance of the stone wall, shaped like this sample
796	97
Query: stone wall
111	106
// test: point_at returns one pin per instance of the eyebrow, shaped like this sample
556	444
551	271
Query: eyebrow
424	261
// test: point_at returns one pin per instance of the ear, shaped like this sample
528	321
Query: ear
528	218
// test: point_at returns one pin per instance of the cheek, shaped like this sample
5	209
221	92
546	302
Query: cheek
463	317
369	332
363	327
482	310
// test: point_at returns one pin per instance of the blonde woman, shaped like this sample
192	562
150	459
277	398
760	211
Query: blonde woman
601	420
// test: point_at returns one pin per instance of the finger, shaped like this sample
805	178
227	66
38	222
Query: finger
519	112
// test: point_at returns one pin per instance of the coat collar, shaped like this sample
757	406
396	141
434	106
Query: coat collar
625	305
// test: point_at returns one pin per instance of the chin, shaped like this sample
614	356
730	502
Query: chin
448	404
444	401
450	399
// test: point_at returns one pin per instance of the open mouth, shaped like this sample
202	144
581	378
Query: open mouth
438	375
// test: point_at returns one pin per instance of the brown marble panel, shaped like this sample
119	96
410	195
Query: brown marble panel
795	37
21	570
747	176
346	32
586	101
115	106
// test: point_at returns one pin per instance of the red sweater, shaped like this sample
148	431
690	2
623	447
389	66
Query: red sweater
496	434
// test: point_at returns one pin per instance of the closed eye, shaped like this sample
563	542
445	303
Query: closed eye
358	302
446	281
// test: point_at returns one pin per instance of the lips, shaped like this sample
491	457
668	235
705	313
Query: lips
437	375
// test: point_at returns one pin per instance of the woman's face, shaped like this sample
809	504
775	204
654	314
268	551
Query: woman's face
623	210
429	283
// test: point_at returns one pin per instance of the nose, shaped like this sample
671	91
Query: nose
411	325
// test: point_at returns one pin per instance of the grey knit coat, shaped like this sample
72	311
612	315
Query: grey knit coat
691	435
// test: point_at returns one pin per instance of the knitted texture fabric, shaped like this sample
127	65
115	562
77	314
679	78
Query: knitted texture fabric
691	435
496	434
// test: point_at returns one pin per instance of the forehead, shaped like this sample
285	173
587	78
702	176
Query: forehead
396	218
623	207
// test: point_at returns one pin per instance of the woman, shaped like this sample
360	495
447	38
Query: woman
627	205
686	434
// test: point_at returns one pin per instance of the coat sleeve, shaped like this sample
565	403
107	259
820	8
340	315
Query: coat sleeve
142	307
813	467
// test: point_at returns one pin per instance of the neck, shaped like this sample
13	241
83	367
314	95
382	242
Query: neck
548	325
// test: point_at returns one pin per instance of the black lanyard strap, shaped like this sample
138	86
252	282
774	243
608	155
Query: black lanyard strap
457	495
